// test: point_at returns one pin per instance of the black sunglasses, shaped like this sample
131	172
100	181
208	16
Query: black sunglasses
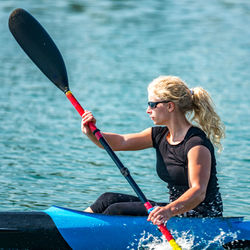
153	105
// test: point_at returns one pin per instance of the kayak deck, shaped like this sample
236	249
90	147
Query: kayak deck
123	232
61	228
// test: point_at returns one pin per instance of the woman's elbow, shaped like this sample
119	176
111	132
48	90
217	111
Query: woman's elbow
201	195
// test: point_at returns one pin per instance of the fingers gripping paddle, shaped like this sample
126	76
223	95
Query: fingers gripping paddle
41	49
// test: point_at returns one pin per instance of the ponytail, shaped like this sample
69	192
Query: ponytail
204	114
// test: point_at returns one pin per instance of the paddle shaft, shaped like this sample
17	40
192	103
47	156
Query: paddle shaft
41	49
124	170
106	146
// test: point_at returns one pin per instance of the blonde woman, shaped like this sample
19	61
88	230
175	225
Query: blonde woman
184	141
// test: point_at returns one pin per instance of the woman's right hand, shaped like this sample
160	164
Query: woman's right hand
86	118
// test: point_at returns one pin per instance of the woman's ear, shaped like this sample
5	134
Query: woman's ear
171	106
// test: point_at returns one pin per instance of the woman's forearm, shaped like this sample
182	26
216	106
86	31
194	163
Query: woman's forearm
188	201
114	140
118	142
92	137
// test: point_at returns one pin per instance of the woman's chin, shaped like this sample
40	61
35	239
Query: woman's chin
158	123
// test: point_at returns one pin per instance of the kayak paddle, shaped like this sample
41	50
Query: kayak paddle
41	49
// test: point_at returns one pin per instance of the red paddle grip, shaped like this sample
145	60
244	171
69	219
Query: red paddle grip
81	111
162	227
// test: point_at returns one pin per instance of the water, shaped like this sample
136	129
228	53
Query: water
150	242
112	50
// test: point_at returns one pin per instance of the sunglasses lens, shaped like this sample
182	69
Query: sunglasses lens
152	104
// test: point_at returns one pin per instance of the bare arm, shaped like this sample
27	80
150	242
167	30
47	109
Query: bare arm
136	141
118	142
199	168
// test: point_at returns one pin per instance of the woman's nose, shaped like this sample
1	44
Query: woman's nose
148	110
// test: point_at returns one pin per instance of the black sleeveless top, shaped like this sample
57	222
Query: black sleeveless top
172	167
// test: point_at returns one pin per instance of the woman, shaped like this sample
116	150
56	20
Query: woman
185	153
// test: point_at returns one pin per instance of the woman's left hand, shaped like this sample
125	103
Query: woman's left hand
159	215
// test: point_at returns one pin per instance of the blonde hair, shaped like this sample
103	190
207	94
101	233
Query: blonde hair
196	104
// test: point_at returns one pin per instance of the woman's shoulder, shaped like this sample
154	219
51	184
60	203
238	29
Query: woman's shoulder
195	131
195	137
158	133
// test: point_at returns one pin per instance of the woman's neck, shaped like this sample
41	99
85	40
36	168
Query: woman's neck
178	128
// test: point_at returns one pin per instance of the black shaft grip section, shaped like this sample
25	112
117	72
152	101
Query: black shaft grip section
39	46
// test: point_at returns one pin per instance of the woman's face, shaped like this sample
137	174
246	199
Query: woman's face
160	113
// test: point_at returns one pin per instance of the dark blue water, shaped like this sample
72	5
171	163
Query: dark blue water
112	50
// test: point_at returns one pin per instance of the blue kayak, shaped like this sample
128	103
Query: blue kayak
61	228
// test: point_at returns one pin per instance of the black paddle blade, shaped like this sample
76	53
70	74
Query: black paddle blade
39	46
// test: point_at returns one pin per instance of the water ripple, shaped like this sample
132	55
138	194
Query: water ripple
112	50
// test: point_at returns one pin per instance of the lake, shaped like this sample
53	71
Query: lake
112	51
